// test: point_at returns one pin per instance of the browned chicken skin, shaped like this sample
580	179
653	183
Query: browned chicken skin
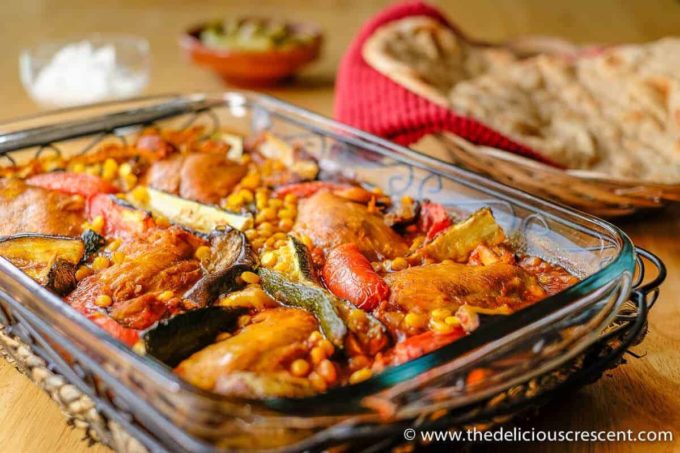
450	285
273	339
331	221
28	209
203	177
164	262
165	174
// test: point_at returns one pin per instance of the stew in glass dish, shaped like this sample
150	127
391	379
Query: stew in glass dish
251	272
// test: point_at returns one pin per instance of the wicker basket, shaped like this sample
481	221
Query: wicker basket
584	190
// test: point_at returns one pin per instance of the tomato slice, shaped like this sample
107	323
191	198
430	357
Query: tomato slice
119	220
433	219
127	336
73	183
424	343
349	275
307	189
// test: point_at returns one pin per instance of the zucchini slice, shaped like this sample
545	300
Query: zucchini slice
459	240
198	217
300	287
307	296
50	260
230	256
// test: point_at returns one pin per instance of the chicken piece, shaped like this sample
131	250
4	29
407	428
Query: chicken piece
202	177
165	174
449	285
28	209
274	338
209	177
164	262
331	221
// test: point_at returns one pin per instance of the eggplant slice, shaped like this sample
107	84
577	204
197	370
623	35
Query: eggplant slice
50	260
174	339
198	217
231	255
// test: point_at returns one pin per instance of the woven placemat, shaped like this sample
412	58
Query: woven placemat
80	411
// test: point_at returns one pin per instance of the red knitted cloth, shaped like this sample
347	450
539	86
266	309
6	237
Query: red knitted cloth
368	100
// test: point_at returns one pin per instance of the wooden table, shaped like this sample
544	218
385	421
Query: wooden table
642	395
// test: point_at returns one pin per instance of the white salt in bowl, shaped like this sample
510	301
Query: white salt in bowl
95	68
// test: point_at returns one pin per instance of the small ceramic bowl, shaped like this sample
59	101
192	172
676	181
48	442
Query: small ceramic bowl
252	67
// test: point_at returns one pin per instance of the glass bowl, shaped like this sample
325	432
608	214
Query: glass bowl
94	68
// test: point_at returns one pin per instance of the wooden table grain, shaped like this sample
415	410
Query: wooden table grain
644	394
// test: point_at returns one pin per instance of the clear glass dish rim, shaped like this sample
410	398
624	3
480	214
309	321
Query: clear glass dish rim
623	262
140	42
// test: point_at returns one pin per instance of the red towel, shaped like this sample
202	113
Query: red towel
368	100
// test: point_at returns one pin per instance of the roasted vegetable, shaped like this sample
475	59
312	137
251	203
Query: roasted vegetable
433	219
73	183
299	287
230	256
349	275
174	339
310	297
120	218
128	336
419	345
459	240
195	216
92	242
50	260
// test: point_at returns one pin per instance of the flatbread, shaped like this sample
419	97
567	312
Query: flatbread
428	58
616	112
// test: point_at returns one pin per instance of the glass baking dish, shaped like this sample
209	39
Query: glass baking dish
170	411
